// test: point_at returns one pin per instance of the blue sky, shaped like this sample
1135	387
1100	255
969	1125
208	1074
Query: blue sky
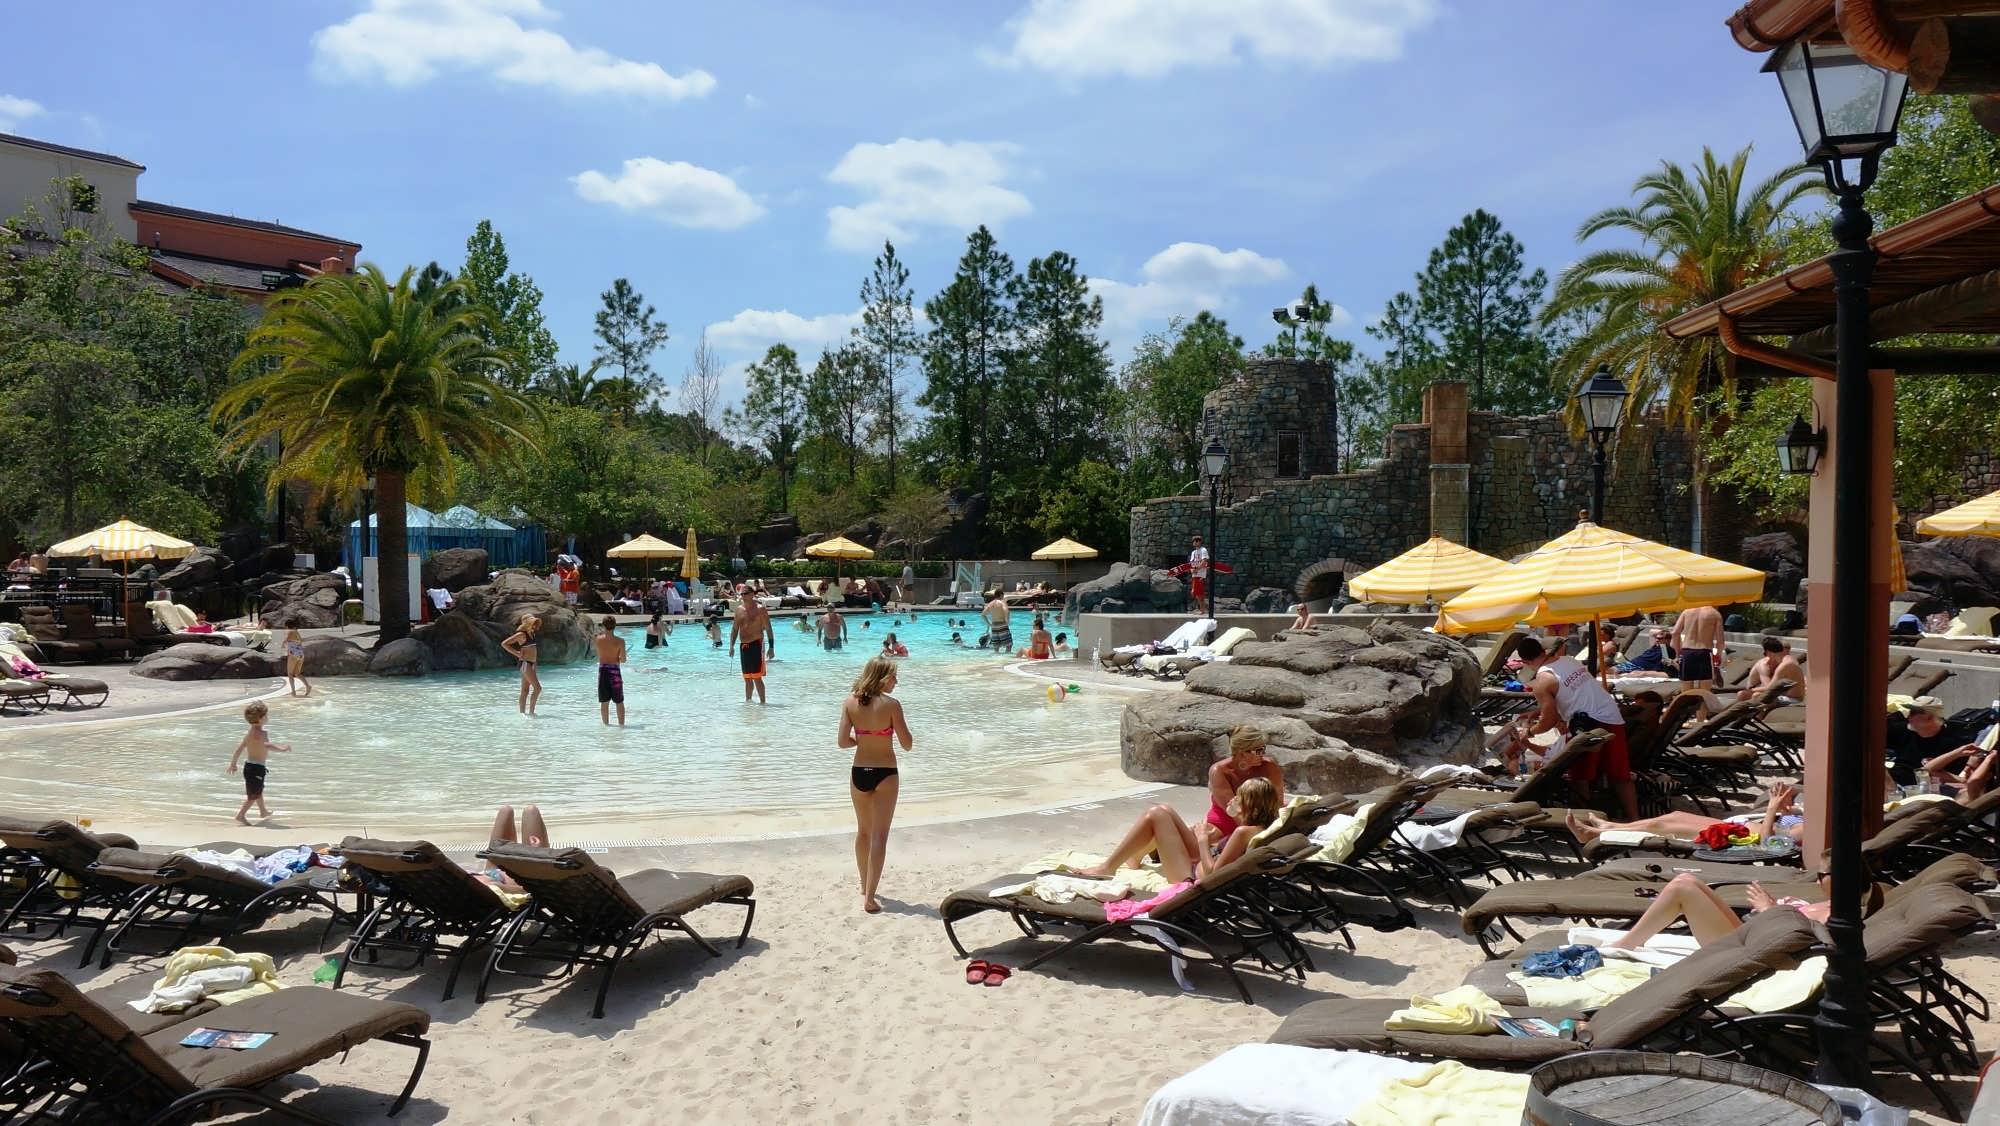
741	162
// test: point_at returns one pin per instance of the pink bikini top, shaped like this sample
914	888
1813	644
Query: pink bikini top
885	732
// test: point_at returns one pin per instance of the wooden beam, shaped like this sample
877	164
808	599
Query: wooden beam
1904	361
1956	55
1921	312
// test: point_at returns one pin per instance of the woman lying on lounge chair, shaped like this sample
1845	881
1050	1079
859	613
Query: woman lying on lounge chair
533	831
1186	854
1708	917
1782	818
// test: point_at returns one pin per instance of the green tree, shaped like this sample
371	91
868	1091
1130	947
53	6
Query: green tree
1479	302
568	385
972	325
359	377
1166	381
515	302
916	515
598	481
888	333
1090	503
1389	389
629	331
838	396
772	414
1306	337
1059	392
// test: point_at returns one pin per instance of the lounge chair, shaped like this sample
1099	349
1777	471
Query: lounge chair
579	914
77	691
1167	667
188	897
1125	658
46	630
1363	870
1220	920
422	901
1667	1012
24	696
80	625
62	890
109	1072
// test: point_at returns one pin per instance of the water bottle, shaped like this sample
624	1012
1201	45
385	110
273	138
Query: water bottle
1094	647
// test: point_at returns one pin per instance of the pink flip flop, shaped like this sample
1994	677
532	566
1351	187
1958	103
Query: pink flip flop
975	972
997	973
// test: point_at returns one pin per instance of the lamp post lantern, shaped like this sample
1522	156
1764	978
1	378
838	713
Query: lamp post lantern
1214	466
1846	111
1799	448
1602	401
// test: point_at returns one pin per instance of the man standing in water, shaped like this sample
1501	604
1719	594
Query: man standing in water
610	679
832	629
999	630
751	627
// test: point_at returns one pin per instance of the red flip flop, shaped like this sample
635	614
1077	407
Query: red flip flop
997	973
975	972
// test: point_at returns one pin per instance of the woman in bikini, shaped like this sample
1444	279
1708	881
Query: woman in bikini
1183	855
871	722
1246	760
521	646
1782	818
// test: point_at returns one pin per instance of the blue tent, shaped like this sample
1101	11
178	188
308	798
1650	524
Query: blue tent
505	545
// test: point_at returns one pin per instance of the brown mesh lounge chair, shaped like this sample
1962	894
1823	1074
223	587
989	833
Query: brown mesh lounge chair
78	691
1668	1012
24	696
1365	871
182	895
111	1074
579	914
1220	920
62	891
43	625
80	625
422	902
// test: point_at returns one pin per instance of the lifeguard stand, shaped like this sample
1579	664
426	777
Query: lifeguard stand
967	586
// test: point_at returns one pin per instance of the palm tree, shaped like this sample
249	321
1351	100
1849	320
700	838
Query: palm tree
569	384
1703	233
359	378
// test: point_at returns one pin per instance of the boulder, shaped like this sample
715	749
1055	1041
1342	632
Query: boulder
493	611
312	602
263	561
1345	709
194	660
1136	590
1268	600
1776	554
332	656
455	568
405	656
200	567
1961	571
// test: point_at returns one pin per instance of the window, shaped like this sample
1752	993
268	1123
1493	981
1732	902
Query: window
83	197
1288	453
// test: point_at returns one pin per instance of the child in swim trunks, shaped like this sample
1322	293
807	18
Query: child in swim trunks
253	750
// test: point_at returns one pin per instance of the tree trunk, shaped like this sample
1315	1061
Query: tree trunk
392	549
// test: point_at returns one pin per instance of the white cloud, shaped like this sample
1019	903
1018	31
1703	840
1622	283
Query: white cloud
409	42
751	331
14	111
910	183
1148	38
1184	279
686	195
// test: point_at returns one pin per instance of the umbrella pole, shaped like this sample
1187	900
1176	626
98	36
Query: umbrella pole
1597	653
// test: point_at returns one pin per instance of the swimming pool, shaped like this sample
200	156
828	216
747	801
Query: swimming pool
398	755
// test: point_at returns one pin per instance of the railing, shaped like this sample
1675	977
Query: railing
98	591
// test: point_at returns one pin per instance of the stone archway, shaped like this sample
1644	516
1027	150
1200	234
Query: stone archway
1321	580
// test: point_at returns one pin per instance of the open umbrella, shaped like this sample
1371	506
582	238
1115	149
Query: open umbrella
837	549
1065	549
124	541
1593	572
1433	571
1973	518
648	547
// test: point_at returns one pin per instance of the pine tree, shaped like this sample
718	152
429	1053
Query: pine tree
1481	304
773	415
629	331
839	393
972	323
515	302
888	333
1059	387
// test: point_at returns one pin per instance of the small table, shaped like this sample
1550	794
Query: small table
327	882
1749	854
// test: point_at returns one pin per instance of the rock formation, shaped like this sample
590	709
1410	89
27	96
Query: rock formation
1956	571
1128	589
1346	709
455	568
312	602
403	657
193	660
1776	554
469	636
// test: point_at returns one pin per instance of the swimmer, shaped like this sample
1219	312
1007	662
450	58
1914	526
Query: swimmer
957	640
893	648
1062	644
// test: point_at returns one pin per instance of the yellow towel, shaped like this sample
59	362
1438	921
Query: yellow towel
1594	989
1337	836
1891	805
1786	989
192	959
1463	1010
1142	881
1297	802
1445	1094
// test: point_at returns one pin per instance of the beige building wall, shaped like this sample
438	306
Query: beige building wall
27	171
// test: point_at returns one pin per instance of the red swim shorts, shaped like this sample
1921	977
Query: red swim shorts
1610	761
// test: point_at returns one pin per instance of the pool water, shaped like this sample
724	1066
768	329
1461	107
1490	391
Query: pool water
369	752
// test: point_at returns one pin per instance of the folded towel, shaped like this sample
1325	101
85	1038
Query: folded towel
1336	838
1785	989
1445	1094
1070	861
1052	888
213	973
1593	989
1465	1010
1274	1085
1624	837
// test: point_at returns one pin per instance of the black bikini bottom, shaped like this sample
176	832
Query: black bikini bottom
866	778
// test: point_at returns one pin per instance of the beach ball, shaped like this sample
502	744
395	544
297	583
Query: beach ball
1056	693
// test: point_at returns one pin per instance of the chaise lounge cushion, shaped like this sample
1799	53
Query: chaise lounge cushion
58	842
1599	895
1355	1024
654	891
308	1024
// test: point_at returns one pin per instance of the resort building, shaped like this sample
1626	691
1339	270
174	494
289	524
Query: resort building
248	257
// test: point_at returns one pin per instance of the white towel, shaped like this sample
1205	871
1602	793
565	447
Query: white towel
1659	950
1274	1085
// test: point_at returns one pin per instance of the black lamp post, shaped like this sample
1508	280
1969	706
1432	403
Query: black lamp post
1602	402
1214	466
1846	110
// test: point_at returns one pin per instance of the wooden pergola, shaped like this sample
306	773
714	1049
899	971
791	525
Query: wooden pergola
1945	46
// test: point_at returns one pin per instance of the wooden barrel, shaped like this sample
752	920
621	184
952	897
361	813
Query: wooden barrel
1641	1088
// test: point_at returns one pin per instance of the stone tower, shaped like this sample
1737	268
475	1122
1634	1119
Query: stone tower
1277	419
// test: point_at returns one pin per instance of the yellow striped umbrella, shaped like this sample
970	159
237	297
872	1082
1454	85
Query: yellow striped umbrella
1432	571
837	549
1593	572
124	540
690	559
1065	549
1973	518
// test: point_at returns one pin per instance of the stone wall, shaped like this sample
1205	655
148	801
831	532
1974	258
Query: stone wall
1525	481
1268	397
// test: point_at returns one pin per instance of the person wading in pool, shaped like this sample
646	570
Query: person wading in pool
610	679
871	721
999	628
833	630
751	627
523	647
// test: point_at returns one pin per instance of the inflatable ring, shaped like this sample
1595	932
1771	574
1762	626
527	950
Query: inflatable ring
1056	693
